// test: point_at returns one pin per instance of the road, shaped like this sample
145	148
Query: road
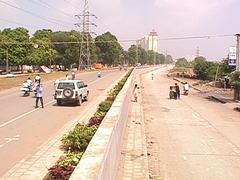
190	138
23	128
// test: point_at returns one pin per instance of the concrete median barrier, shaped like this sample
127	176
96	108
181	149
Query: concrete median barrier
101	158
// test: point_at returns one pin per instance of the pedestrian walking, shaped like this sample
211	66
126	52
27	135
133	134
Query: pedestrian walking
73	75
39	95
56	82
177	89
152	76
67	77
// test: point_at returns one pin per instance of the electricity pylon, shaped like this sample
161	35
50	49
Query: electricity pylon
85	24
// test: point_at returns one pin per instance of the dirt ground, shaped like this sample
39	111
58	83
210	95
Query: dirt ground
207	88
190	138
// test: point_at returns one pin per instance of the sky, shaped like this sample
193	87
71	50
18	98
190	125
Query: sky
133	19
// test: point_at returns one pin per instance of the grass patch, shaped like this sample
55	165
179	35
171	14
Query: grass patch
7	83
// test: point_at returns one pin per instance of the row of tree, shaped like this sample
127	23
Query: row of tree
46	47
206	70
209	70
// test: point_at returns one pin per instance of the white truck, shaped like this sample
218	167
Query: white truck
68	91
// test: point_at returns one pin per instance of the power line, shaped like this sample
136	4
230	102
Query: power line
196	37
33	14
52	7
70	3
85	24
127	40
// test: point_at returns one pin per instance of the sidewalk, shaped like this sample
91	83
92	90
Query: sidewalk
134	160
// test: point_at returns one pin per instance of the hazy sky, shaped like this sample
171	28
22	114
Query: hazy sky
133	19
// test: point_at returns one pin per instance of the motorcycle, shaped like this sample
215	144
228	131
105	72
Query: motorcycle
99	74
27	88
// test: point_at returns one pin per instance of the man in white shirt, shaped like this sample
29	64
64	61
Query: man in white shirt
39	95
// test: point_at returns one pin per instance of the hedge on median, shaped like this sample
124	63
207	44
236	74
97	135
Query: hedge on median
76	141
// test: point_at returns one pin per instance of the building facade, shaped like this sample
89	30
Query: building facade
149	42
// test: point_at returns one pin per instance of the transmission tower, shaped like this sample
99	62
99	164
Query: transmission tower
85	24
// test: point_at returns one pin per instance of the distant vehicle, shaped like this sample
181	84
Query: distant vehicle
68	91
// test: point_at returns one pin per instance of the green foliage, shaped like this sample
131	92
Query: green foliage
70	159
136	54
78	139
17	52
109	48
201	67
182	62
235	80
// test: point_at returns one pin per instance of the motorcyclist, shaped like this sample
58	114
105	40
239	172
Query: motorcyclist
29	81
99	74
38	78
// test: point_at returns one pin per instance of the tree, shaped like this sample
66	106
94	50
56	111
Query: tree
160	59
15	43
235	82
168	59
182	62
45	53
151	55
67	54
109	49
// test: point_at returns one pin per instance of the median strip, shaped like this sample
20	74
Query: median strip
75	143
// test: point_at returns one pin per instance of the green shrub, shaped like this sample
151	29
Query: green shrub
78	139
104	106
70	159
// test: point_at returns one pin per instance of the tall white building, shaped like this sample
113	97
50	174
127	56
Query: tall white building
149	42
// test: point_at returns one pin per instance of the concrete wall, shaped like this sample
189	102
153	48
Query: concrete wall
101	158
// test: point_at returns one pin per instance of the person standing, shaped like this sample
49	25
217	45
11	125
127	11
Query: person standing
73	75
39	95
177	90
67	77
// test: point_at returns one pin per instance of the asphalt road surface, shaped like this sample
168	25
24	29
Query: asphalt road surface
23	128
190	138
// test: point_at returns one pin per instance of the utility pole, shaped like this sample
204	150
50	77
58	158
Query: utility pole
85	23
238	53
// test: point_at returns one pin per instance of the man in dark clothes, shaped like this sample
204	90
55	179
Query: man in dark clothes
177	90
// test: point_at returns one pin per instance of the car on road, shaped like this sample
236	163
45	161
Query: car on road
71	91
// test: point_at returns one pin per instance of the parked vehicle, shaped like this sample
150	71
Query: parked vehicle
68	91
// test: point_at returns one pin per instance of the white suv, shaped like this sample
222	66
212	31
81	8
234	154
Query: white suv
71	91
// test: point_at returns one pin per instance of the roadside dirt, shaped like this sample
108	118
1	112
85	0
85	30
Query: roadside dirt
207	88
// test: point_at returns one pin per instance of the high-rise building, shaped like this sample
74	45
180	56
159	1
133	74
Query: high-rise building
149	42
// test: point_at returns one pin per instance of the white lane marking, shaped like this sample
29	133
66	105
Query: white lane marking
10	139
50	102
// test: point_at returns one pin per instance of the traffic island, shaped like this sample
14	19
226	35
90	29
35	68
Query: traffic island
76	142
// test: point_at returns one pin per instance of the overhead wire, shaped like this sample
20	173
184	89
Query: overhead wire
131	40
52	7
33	14
72	5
